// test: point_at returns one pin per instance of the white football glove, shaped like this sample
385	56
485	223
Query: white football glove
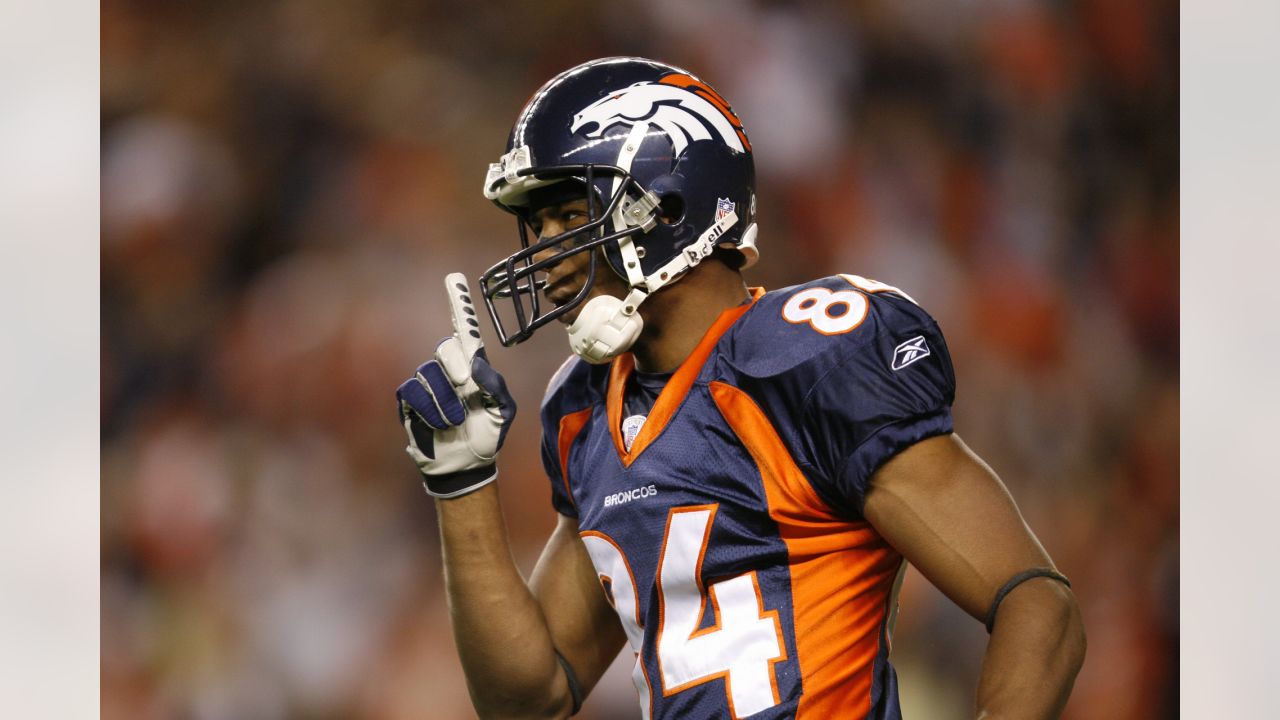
456	409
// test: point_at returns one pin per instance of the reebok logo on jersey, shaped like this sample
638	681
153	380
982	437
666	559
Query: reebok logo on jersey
627	496
909	352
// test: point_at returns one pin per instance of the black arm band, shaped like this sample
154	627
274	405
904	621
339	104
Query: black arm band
574	690
1017	580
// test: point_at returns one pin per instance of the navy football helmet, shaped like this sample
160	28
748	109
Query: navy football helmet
667	172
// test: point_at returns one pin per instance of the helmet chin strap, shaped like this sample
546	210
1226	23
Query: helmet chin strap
608	326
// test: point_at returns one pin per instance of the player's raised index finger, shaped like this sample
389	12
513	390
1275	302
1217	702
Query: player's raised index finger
466	323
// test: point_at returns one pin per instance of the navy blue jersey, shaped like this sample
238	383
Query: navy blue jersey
728	533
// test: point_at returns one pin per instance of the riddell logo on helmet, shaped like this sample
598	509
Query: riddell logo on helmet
684	108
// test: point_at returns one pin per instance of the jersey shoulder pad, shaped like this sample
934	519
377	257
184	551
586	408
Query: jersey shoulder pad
811	327
850	371
575	386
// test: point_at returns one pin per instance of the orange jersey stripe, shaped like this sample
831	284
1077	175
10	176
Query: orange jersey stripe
570	426
842	572
619	371
706	92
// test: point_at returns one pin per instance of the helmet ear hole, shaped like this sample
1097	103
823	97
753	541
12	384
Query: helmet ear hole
671	209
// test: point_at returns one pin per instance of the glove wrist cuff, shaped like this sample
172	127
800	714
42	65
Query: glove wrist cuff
458	484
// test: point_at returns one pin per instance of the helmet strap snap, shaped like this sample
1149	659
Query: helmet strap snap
607	327
747	246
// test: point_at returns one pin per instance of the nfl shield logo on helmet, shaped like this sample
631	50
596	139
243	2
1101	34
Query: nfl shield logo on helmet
724	206
909	352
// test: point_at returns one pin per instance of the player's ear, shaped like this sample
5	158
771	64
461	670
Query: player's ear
671	209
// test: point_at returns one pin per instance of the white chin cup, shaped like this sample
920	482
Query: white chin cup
602	331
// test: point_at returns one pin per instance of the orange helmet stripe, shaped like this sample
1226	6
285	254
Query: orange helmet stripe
705	92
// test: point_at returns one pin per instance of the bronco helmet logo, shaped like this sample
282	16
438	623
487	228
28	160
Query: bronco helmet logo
685	108
667	172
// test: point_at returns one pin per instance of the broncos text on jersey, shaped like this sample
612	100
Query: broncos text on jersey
729	537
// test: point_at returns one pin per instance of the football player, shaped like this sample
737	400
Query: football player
740	476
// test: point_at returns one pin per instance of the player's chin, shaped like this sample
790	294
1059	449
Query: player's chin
568	318
564	299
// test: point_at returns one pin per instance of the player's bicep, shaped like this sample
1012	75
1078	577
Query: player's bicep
583	625
949	515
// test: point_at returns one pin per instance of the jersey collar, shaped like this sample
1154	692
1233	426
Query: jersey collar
677	388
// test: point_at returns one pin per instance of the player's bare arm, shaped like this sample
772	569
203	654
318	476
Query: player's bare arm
528	650
950	516
582	623
508	632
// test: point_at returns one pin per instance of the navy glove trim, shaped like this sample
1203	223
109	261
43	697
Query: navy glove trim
460	483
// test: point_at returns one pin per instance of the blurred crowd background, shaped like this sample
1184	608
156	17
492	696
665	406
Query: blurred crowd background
286	183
